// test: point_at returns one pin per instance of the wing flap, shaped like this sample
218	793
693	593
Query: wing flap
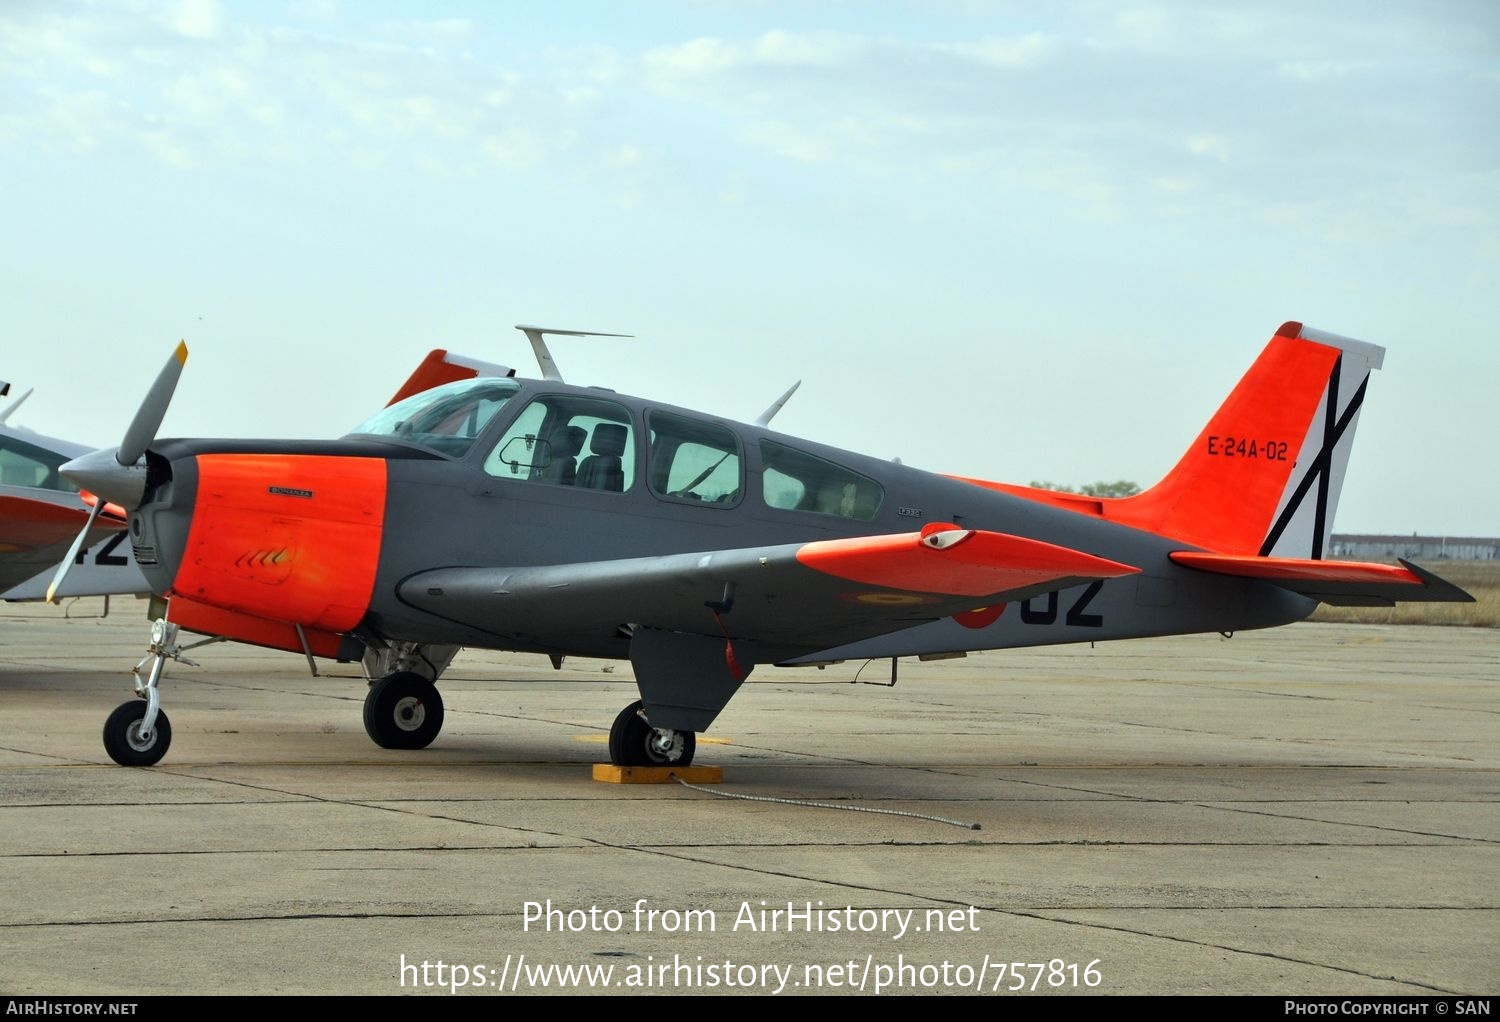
1342	583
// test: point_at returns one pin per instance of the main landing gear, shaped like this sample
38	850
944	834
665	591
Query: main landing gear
403	709
634	742
139	733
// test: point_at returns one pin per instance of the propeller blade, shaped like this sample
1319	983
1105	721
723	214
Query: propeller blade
147	421
67	562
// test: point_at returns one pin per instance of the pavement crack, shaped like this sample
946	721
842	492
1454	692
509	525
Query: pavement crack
1234	950
1345	823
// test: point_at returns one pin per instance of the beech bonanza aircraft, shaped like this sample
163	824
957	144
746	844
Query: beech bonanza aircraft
535	516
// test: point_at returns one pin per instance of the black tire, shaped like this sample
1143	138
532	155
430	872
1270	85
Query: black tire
122	735
633	742
403	711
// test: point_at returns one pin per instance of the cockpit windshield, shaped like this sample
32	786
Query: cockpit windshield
446	418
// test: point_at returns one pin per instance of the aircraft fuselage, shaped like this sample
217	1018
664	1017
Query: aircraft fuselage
332	534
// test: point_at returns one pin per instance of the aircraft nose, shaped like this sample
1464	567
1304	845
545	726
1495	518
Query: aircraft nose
101	473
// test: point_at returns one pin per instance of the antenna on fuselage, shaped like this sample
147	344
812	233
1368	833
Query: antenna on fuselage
5	389
770	413
544	357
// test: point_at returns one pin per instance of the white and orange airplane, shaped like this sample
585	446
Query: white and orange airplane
531	515
41	513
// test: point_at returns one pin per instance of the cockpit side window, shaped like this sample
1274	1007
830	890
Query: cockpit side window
797	481
447	418
694	460
23	464
568	441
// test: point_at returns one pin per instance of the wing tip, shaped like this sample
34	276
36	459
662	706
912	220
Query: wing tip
1436	583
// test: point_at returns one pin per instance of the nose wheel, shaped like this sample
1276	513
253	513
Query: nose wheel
138	733
634	742
129	743
403	711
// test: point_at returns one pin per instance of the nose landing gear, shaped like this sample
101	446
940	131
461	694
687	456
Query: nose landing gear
138	733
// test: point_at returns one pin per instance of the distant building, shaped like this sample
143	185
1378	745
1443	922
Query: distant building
1415	548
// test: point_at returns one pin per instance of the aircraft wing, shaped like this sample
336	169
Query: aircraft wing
1342	583
36	528
788	599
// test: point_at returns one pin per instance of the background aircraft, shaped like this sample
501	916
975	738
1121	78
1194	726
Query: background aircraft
537	516
40	515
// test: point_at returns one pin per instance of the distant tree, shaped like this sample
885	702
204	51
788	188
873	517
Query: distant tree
1118	488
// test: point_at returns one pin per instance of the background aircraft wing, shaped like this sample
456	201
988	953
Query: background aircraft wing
36	528
789	599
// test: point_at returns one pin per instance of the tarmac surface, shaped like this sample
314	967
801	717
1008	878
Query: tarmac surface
1313	810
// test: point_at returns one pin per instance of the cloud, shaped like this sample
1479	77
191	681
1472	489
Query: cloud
1215	147
190	87
1312	71
196	19
1022	51
1116	114
1150	110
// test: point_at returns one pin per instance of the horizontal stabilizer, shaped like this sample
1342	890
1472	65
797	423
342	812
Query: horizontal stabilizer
1342	583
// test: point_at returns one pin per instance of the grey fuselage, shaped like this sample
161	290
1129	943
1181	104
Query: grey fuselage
445	511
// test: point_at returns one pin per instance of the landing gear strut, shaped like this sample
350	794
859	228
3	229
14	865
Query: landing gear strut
634	742
136	733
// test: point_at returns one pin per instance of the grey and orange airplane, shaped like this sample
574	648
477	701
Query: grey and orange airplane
531	515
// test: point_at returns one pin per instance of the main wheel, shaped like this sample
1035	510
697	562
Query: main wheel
122	735
403	711
634	742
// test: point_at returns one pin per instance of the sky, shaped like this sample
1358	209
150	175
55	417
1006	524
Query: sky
1015	241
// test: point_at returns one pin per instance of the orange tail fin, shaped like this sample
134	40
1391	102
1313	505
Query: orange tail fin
1264	475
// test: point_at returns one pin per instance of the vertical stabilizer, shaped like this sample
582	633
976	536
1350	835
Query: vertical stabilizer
1264	475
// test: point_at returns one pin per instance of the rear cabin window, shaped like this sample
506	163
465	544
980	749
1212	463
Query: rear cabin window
563	440
797	481
693	460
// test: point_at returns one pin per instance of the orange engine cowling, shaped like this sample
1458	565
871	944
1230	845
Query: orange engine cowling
290	538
